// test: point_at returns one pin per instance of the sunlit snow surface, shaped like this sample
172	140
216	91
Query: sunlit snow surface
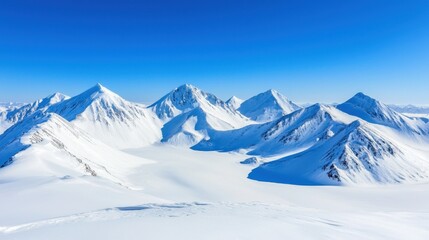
205	195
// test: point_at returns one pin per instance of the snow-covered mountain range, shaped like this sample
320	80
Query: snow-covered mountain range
361	141
410	109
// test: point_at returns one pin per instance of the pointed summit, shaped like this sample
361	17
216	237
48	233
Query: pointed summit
72	107
267	106
191	115
363	100
234	102
98	90
373	111
183	99
187	86
54	98
109	117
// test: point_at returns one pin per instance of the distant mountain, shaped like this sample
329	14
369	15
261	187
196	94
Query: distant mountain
190	115
108	117
376	112
410	109
298	130
48	145
5	106
358	154
267	106
234	102
14	115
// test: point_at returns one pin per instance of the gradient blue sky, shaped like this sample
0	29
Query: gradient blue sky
311	51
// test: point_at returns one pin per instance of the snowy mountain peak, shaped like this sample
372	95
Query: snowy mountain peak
274	93
99	85
267	106
190	115
373	111
98	99
188	87
99	111
99	90
183	99
362	100
234	102
57	97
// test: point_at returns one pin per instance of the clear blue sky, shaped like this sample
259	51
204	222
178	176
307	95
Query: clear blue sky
309	50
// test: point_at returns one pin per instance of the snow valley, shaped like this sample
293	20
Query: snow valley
262	167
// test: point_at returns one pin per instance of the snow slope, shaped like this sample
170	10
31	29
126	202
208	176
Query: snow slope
47	145
14	115
361	153
267	106
108	117
206	195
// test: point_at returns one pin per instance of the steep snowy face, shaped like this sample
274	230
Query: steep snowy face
107	116
234	102
311	120
300	129
358	154
15	115
374	111
49	145
267	106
